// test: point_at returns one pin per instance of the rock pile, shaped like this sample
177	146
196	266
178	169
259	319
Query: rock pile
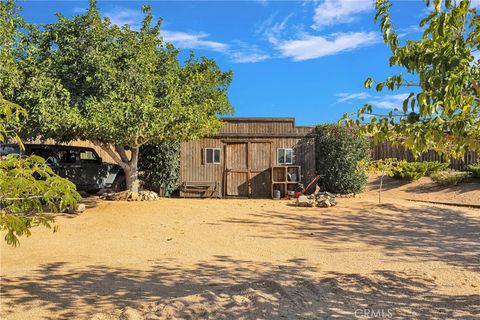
131	196
318	199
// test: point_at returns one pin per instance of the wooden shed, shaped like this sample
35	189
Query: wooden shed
249	157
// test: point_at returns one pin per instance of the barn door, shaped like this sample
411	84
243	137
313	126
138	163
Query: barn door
236	169
260	163
247	169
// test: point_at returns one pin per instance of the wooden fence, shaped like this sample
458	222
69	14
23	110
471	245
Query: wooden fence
387	150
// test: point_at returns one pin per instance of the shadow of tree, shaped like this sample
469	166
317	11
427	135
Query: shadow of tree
64	291
427	233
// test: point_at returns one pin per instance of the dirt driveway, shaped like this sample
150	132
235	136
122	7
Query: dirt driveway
407	260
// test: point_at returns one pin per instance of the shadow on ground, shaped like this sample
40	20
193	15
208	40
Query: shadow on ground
428	233
341	296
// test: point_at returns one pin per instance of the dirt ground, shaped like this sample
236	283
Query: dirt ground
425	189
249	259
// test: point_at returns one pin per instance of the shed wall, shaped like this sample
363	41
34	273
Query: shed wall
192	168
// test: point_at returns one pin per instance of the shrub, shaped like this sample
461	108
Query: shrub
446	178
415	170
160	164
410	171
475	170
338	150
435	166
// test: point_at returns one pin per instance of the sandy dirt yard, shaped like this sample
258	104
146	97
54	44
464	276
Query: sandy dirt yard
248	259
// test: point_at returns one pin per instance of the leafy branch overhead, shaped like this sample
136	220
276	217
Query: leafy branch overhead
442	110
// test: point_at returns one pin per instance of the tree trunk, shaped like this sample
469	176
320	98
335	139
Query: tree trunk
131	175
129	166
380	189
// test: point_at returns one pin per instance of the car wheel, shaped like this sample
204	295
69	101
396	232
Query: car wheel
119	184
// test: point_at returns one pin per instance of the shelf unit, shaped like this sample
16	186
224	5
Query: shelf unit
285	178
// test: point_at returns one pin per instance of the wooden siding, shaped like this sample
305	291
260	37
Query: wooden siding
249	149
192	166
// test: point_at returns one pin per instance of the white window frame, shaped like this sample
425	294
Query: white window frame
284	156
213	156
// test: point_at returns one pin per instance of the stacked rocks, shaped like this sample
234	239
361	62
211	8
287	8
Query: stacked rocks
318	199
144	195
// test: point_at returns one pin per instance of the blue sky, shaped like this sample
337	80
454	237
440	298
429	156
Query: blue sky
302	59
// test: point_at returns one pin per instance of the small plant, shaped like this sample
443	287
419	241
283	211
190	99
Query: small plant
447	178
474	170
435	166
410	171
385	167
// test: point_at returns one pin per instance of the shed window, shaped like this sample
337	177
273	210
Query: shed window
285	156
212	155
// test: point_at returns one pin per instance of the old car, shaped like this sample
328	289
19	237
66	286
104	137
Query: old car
81	165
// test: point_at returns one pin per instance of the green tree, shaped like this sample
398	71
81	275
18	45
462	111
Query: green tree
338	151
442	110
121	88
26	184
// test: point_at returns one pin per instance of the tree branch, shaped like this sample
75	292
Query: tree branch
122	153
106	147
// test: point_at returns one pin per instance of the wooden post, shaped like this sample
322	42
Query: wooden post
249	169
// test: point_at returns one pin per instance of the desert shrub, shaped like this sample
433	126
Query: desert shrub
474	170
411	171
435	166
446	178
338	151
160	165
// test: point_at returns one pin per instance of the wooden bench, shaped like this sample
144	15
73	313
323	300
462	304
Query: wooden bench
204	189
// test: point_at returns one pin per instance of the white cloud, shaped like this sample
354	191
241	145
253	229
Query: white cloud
79	10
387	101
344	96
331	12
122	16
311	47
243	52
402	32
263	3
272	31
193	41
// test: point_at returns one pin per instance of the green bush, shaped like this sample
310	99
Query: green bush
446	178
160	164
475	170
435	166
338	150
411	171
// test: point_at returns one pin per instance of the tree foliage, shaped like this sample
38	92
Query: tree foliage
160	164
27	184
119	88
338	152
442	110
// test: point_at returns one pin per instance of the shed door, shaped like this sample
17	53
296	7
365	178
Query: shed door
247	169
236	169
260	163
